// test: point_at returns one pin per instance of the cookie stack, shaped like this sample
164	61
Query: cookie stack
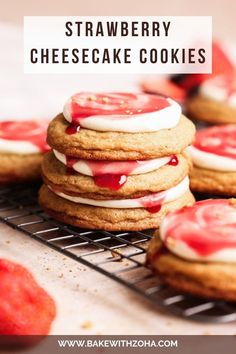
117	161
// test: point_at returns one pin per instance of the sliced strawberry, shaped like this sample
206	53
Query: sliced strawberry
221	64
165	87
25	307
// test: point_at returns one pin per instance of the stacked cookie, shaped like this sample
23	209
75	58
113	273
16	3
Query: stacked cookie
117	161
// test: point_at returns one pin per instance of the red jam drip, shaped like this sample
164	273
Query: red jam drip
31	131
120	105
219	140
173	161
73	128
111	181
206	227
153	203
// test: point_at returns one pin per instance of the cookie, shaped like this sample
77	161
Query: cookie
154	128
110	185
195	251
216	101
214	161
110	219
22	145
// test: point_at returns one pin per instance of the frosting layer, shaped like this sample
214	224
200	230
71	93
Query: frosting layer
150	201
94	168
205	231
121	112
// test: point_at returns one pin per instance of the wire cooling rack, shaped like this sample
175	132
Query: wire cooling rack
119	256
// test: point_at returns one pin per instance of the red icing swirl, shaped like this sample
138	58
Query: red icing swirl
31	131
206	227
218	140
112	105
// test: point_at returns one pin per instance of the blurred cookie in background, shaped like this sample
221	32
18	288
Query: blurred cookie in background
164	86
22	146
215	102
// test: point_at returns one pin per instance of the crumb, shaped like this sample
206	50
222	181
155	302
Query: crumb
47	268
116	254
61	275
70	270
8	241
87	325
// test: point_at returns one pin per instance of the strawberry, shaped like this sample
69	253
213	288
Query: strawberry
165	87
221	64
25	307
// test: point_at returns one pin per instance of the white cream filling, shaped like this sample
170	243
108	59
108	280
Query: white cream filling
165	118
211	90
211	161
146	166
182	250
169	196
18	147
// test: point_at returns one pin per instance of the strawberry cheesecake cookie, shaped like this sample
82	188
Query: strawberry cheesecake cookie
195	249
216	101
117	161
120	127
22	145
214	160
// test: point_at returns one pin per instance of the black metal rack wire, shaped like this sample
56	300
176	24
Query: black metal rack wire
119	256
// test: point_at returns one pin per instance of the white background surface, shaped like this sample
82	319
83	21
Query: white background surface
87	302
27	96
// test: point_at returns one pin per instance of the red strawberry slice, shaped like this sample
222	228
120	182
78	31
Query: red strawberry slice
165	87
25	307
